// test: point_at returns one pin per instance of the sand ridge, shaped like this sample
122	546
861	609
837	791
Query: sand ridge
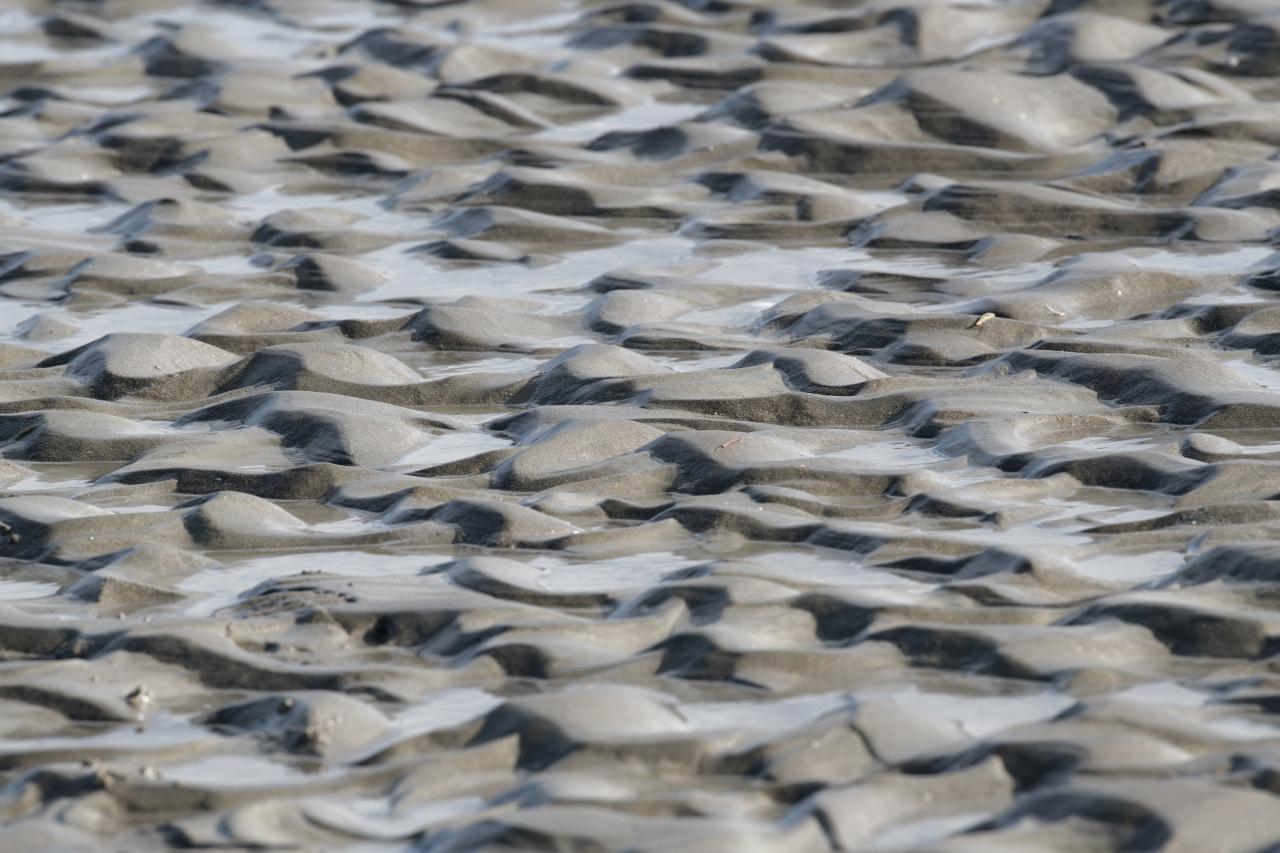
661	425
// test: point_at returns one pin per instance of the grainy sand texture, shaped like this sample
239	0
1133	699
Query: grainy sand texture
665	425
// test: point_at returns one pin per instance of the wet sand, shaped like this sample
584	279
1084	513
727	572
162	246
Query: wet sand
702	425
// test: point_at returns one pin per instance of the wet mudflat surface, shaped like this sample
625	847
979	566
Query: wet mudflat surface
701	425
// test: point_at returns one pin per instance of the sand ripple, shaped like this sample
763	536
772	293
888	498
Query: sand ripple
662	425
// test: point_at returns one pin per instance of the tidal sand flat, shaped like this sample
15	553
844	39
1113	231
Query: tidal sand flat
699	425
